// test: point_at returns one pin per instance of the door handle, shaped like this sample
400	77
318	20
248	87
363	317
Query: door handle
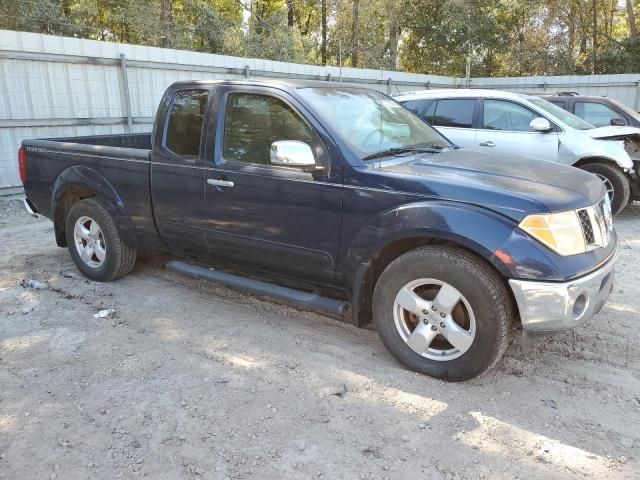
488	143
220	183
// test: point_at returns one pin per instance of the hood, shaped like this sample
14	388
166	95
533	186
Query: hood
607	132
514	185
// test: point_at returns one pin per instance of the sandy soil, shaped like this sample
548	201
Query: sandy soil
193	380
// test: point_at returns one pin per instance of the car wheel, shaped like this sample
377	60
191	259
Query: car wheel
615	182
95	244
443	312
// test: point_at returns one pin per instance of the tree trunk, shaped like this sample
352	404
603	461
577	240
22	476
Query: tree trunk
290	13
354	34
584	30
571	19
166	19
633	26
323	45
394	33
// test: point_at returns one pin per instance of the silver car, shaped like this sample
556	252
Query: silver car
512	123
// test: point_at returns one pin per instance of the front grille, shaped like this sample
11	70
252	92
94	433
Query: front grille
587	227
596	224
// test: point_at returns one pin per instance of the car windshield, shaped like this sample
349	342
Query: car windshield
561	114
371	123
630	111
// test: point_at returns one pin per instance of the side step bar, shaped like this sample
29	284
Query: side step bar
305	300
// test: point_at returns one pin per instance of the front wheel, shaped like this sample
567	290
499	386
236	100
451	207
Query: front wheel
442	312
615	183
95	244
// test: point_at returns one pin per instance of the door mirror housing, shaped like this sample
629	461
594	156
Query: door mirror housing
618	122
540	124
293	153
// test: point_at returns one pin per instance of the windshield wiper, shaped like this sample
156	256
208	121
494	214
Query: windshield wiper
431	148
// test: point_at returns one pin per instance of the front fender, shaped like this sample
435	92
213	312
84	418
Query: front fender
574	150
474	228
493	237
90	179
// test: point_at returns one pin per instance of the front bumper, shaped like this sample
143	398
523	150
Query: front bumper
548	307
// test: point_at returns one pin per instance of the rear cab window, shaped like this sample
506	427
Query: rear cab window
185	119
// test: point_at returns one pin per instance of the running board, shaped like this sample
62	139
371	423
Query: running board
305	300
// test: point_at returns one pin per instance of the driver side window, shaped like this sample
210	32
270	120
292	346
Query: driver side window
508	116
253	122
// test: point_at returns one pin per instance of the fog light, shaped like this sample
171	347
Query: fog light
580	306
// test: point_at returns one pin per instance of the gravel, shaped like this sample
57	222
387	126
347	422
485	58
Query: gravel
193	380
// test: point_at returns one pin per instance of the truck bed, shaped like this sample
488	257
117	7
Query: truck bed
122	159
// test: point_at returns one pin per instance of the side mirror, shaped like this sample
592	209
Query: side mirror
292	153
540	124
617	122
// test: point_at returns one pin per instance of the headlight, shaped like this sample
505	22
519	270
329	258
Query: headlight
561	232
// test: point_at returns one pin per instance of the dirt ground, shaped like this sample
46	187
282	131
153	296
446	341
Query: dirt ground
192	380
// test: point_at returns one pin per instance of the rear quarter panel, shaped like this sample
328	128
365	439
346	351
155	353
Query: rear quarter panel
118	176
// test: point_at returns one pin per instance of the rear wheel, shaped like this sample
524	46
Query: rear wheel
442	312
615	182
95	244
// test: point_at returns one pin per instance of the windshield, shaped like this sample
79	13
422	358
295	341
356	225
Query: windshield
561	114
630	111
370	122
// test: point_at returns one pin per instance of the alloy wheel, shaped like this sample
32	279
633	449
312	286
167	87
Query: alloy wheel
89	242
434	319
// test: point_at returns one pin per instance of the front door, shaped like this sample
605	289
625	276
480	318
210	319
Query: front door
504	128
283	220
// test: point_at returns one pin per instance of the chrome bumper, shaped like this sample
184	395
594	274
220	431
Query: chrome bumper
548	307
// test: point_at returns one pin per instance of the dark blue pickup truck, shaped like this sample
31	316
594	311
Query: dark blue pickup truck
337	196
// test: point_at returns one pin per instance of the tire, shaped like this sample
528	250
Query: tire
616	181
484	303
95	244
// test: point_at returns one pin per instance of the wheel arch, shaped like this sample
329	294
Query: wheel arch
79	182
371	263
598	159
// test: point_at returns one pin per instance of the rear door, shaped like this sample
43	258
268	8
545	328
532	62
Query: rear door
504	128
280	219
454	118
177	175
